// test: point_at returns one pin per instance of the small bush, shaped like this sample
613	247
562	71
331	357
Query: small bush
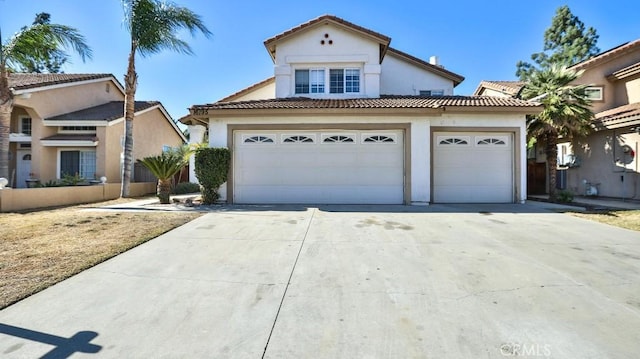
186	187
565	196
212	169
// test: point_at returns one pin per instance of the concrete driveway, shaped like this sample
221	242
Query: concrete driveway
349	282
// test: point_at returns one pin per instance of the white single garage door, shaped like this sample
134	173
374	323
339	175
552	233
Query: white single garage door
473	167
333	166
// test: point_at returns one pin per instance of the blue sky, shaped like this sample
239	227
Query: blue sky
476	39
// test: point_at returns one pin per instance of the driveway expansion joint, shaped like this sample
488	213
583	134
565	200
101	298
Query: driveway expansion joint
284	294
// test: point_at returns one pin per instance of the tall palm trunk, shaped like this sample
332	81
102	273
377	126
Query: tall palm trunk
131	82
551	151
6	105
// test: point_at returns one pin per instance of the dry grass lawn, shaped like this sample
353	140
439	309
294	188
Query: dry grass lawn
624	219
39	249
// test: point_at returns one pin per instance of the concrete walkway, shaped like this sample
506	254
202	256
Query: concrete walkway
458	281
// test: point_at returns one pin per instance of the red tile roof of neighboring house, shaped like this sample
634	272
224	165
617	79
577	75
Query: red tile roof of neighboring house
246	90
621	116
457	79
106	112
384	40
389	102
20	81
511	88
614	52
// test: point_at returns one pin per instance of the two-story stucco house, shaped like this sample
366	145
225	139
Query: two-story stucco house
605	162
608	158
74	124
348	119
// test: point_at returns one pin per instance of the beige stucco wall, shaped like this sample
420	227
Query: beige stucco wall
151	132
489	92
268	91
616	93
151	128
43	104
602	161
30	198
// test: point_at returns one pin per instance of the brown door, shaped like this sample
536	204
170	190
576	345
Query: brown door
536	178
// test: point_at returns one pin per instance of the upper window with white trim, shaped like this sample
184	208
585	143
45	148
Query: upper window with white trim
431	92
594	93
344	80
25	125
310	81
340	80
77	129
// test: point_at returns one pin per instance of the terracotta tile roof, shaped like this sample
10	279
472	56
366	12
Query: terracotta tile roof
383	39
625	72
107	112
511	88
621	116
457	79
246	90
614	52
388	102
19	81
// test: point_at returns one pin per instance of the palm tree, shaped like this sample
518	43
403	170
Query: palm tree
32	44
154	26
566	112
164	167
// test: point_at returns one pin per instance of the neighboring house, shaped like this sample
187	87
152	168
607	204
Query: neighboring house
499	88
608	158
74	124
352	120
605	162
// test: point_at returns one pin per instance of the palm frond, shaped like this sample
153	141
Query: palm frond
38	41
154	25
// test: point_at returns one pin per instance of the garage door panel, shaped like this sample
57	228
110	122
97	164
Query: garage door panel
318	172
473	167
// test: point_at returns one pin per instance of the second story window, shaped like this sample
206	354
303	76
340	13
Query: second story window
25	125
344	81
594	93
431	92
310	81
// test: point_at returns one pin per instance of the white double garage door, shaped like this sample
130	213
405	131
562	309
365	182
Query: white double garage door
366	167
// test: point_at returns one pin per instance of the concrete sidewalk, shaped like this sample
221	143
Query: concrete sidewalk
459	281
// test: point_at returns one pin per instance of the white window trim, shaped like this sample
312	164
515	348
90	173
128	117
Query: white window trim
21	121
327	80
599	89
81	149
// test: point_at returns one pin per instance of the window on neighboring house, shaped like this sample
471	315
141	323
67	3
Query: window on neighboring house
344	80
84	129
594	93
82	163
25	125
166	148
431	92
309	81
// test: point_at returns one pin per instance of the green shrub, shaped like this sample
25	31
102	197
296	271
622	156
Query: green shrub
565	196
212	169
69	180
186	187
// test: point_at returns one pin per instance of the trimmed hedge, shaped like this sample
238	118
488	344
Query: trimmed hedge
212	168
